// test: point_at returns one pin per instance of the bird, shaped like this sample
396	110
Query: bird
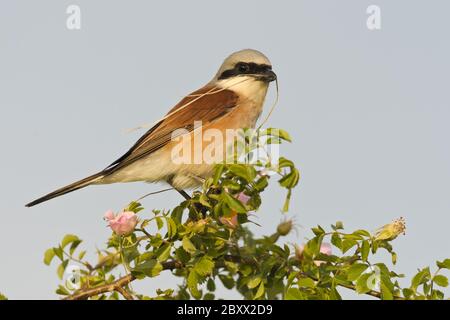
232	100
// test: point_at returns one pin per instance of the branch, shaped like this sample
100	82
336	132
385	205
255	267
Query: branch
117	285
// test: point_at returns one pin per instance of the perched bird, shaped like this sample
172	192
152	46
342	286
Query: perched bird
233	99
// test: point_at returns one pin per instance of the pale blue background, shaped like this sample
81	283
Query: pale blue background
368	110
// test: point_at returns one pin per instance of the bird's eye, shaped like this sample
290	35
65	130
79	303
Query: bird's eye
243	67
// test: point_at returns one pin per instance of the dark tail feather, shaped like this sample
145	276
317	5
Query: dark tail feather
71	187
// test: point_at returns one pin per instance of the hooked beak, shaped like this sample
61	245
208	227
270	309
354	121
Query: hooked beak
268	76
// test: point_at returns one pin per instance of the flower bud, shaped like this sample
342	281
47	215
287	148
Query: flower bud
284	228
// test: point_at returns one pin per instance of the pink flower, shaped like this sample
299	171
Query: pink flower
325	248
123	223
242	197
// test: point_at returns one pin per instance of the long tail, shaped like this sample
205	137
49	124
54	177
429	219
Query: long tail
71	187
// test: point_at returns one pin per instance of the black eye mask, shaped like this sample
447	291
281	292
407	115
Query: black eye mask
245	68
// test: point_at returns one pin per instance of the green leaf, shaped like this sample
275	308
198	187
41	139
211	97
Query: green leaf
81	255
365	249
218	170
362	283
68	238
204	266
234	203
159	222
254	282
211	285
440	280
150	268
294	294
192	283
336	240
275	132
444	264
188	246
348	244
361	233
74	246
59	253
61	269
290	180
260	291
394	257
306	282
355	271
421	277
62	291
182	255
245	270
163	252
48	256
386	294
227	281
209	296
244	171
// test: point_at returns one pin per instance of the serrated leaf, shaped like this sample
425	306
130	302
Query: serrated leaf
204	266
188	246
182	255
192	284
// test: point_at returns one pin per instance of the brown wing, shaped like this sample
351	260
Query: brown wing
206	104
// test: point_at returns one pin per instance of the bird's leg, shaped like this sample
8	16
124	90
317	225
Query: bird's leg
180	191
183	193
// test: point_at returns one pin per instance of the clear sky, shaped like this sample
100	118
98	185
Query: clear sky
369	113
